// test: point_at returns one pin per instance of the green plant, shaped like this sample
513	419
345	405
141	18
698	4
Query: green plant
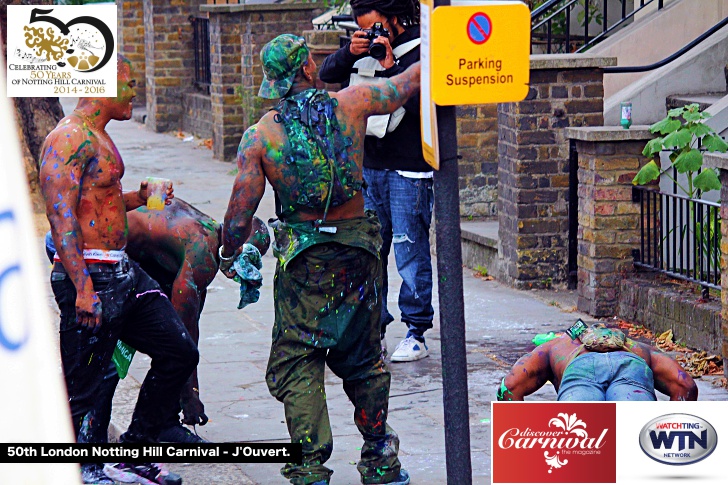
481	271
686	136
251	104
686	140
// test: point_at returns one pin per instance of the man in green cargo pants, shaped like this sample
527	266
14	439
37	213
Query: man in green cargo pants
328	278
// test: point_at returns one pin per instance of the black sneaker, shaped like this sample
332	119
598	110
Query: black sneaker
94	473
179	434
143	473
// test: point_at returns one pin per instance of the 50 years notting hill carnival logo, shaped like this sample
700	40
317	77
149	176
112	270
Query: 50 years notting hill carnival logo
554	443
67	50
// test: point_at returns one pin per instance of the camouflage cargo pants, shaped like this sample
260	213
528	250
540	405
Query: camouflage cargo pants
327	305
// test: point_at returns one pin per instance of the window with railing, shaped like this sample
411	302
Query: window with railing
201	41
566	26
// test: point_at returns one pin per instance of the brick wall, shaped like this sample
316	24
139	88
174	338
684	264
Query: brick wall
477	133
237	34
662	305
170	60
130	37
609	224
533	163
197	115
720	161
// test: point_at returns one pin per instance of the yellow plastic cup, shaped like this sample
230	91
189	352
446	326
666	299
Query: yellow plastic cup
156	193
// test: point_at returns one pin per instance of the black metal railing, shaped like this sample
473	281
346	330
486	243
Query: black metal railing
553	28
201	40
680	237
671	57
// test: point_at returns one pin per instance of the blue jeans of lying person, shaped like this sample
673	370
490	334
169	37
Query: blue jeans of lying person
404	208
608	376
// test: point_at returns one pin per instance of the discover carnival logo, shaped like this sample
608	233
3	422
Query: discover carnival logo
563	443
678	439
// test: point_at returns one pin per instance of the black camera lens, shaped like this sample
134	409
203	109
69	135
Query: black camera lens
378	51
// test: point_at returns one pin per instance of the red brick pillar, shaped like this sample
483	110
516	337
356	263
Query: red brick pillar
533	165
237	34
477	127
170	60
609	226
720	161
130	35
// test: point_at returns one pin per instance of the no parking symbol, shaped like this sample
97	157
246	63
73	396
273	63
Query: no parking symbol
479	28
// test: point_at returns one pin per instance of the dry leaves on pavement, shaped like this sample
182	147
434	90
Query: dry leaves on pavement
696	363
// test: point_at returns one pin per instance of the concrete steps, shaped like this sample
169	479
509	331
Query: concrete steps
705	100
480	245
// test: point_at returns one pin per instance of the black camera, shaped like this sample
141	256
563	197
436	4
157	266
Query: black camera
377	51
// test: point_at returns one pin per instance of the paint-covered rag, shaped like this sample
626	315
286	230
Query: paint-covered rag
247	268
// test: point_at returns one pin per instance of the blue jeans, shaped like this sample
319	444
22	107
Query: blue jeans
609	376
404	207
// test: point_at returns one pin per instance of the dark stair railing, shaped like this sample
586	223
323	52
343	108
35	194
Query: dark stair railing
672	57
551	23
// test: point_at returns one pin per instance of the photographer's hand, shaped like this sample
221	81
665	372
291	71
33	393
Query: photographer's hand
388	61
359	43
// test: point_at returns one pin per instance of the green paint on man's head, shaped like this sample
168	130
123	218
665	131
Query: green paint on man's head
281	58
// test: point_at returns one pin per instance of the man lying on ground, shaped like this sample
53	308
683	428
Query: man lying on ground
606	372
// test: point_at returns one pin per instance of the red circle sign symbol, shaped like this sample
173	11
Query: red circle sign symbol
479	28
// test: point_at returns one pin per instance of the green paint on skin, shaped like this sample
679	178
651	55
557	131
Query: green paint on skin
76	155
504	394
316	155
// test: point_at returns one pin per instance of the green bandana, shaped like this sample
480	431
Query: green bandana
282	58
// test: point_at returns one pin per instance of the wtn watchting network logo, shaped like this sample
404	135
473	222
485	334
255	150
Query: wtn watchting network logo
64	50
678	439
560	443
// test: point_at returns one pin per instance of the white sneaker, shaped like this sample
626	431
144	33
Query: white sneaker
409	350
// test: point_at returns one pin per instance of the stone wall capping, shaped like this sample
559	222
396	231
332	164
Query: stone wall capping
260	7
571	61
716	160
610	133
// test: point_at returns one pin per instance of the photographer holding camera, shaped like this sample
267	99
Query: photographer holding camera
399	181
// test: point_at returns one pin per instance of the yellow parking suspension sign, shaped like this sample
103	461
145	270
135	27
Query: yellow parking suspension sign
480	53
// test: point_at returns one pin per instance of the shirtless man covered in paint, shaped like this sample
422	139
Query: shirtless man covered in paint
104	296
177	247
631	374
328	280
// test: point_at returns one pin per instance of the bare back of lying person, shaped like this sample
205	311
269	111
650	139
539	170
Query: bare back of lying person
631	374
327	287
102	295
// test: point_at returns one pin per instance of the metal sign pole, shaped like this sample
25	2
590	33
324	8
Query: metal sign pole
452	308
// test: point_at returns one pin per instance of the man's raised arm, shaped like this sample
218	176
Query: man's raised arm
383	96
248	189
